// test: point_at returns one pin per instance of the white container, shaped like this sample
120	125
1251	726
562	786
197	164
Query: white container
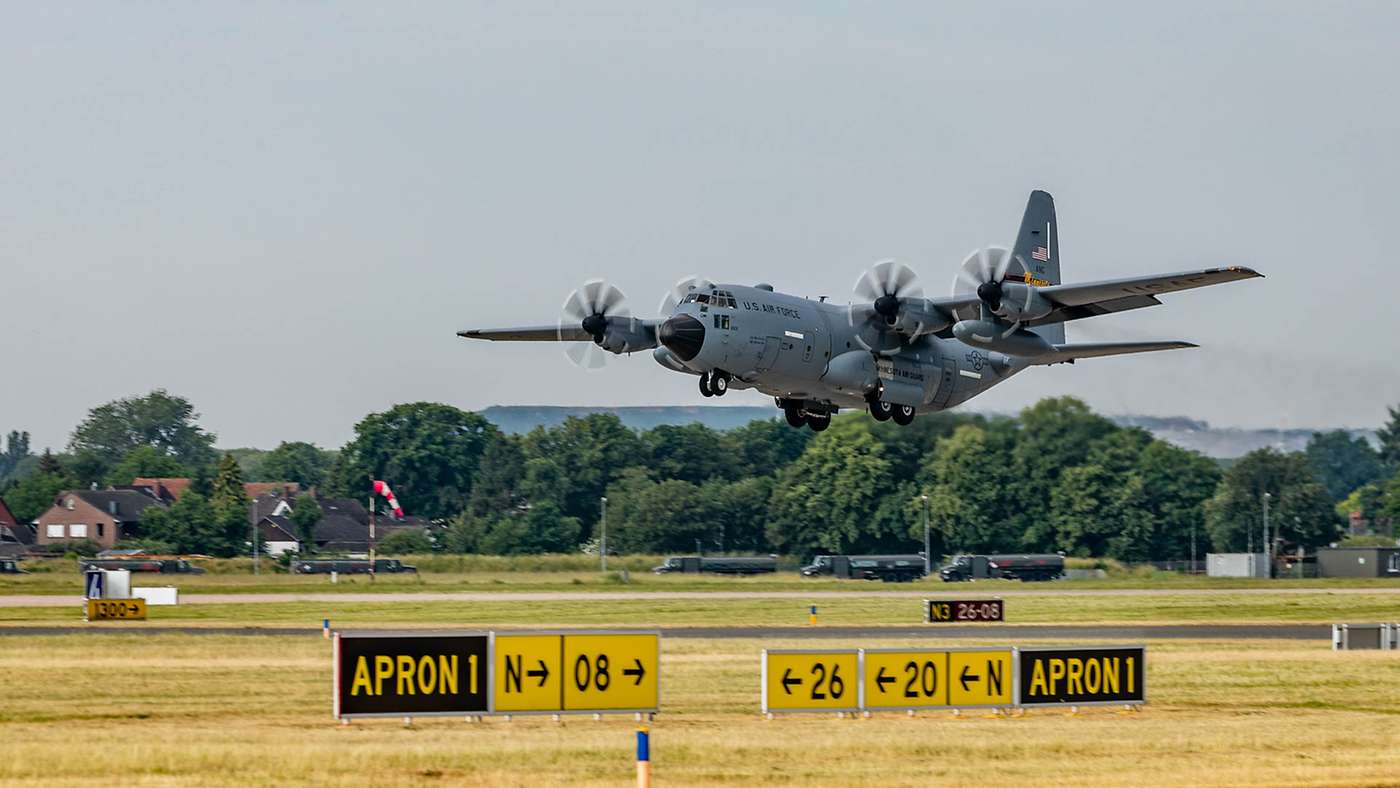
163	595
1237	565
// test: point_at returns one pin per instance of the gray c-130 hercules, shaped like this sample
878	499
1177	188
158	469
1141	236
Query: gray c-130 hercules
893	351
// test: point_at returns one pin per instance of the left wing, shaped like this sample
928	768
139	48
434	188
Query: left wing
528	334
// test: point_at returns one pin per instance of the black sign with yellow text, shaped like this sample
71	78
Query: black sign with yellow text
1082	676
411	674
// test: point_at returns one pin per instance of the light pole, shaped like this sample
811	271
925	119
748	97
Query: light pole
1268	546
603	544
928	547
253	514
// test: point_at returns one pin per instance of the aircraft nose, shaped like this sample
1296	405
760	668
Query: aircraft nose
682	335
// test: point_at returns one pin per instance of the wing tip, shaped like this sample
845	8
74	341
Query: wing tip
1249	273
469	333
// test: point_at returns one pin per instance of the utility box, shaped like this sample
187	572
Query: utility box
107	584
1237	565
1355	637
1358	562
161	595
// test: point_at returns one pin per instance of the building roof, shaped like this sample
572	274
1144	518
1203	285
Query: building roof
255	489
123	505
165	489
275	528
6	516
17	533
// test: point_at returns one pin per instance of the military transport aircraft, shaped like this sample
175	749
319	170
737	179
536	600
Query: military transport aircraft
893	351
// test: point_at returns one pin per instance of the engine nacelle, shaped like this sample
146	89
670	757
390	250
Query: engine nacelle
1023	302
626	336
914	321
992	335
667	359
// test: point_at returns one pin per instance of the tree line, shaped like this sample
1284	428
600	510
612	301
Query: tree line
1056	477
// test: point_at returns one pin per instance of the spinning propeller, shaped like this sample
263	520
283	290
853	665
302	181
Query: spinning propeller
984	273
880	294
679	291
590	308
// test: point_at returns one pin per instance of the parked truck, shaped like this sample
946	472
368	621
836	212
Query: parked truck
1007	567
350	566
9	566
168	566
888	568
719	565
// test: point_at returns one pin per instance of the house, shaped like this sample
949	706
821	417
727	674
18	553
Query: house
99	516
15	537
343	527
169	490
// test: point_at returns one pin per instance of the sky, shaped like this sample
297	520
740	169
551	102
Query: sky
284	212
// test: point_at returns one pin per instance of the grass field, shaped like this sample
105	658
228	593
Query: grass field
1049	607
221	710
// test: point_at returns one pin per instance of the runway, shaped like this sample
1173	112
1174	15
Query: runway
950	591
931	631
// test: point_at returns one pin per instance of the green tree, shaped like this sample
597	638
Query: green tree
428	452
830	499
229	494
763	447
159	419
588	453
1302	513
306	512
969	484
1056	433
15	454
544	529
1389	437
408	541
497	488
1176	484
691	453
193	525
34	494
649	516
145	461
738	511
295	461
1342	462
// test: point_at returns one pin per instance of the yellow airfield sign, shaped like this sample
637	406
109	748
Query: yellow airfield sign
526	675
116	609
905	679
611	671
811	680
980	677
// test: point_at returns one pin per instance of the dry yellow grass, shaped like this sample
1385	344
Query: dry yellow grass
223	710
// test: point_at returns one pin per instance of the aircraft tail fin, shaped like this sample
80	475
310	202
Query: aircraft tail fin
1038	249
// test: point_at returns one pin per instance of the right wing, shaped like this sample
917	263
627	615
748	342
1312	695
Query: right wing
1067	353
528	334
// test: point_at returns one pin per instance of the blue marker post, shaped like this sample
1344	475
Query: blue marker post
643	758
326	628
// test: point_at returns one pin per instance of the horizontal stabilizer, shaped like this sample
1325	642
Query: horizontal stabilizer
1070	352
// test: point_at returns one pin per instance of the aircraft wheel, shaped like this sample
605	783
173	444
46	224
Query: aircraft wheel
705	385
881	410
794	416
719	383
904	415
818	423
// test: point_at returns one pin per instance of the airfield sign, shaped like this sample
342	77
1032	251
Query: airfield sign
1082	676
811	680
611	671
905	679
963	611
116	610
410	674
526	673
980	677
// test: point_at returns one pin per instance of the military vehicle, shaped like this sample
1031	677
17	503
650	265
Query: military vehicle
1006	567
350	566
718	565
889	568
168	566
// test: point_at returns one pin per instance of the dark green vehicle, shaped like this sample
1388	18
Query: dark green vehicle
168	566
351	566
1028	567
888	568
9	566
718	565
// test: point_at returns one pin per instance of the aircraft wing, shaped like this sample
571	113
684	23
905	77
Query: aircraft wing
528	334
1138	287
1069	352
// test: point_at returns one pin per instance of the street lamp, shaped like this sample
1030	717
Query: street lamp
603	544
928	548
1268	546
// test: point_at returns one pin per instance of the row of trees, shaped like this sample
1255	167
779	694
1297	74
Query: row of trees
1056	477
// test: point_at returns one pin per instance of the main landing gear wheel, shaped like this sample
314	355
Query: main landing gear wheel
705	385
881	410
818	423
719	383
794	416
904	415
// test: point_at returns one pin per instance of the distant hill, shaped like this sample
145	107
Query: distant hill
1218	442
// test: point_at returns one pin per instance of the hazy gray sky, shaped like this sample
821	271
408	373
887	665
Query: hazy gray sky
284	212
